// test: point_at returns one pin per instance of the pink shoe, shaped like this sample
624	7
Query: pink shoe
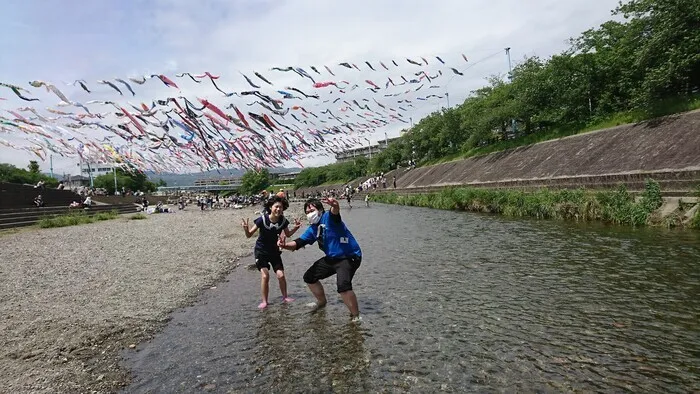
262	305
287	299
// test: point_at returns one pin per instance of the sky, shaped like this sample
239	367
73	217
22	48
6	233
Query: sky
60	42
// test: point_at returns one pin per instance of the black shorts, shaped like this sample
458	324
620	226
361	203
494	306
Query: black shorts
265	260
326	267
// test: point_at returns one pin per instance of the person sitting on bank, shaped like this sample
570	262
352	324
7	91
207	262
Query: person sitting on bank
87	202
38	201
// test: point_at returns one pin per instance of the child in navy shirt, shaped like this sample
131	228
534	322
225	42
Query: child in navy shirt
266	251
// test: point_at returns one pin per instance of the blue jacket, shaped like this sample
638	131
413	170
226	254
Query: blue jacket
334	239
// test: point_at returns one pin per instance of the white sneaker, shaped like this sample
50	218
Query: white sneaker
315	306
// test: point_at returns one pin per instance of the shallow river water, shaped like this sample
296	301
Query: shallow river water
451	302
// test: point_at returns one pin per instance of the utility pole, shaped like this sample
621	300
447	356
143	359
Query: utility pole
510	67
510	78
114	169
386	140
447	94
90	174
80	171
51	165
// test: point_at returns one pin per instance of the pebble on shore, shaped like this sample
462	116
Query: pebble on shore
74	297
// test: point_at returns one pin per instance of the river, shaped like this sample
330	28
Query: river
452	302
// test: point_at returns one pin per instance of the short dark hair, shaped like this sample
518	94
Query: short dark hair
276	199
315	202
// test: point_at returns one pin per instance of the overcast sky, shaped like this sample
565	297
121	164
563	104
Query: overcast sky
61	41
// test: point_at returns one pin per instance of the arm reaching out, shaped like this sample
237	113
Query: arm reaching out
333	203
282	243
248	230
297	224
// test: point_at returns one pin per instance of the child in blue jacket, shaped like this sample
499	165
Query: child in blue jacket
342	254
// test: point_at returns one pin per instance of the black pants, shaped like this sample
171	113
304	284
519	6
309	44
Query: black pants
326	267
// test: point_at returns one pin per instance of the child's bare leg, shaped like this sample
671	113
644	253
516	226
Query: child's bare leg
350	301
319	293
264	286
282	279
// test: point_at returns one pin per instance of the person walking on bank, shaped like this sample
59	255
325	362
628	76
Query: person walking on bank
267	254
342	254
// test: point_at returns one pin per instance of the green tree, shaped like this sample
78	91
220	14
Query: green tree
129	179
12	174
253	181
332	173
33	167
312	176
667	40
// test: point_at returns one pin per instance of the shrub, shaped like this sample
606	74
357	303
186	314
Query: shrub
613	206
75	218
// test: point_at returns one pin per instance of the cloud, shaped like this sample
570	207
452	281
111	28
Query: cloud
102	40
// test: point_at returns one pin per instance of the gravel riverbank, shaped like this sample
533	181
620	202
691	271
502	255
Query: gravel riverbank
71	298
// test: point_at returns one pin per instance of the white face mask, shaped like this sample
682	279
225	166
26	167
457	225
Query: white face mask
313	217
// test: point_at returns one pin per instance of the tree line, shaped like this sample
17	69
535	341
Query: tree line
132	180
32	175
643	63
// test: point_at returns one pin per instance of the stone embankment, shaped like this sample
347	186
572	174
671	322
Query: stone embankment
665	149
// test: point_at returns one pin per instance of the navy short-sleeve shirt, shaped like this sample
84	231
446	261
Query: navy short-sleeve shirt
269	233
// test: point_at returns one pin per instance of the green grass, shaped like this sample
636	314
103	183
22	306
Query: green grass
616	206
76	218
138	216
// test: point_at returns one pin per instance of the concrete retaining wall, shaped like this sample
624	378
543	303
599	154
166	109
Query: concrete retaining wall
665	149
666	145
14	195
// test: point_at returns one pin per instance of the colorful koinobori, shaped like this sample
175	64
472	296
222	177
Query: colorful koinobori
271	123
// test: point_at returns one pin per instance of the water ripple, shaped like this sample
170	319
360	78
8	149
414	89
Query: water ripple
453	302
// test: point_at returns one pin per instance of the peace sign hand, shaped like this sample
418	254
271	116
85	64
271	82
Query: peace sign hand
245	223
282	241
297	223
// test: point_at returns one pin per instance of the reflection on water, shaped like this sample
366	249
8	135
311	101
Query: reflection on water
290	347
453	302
